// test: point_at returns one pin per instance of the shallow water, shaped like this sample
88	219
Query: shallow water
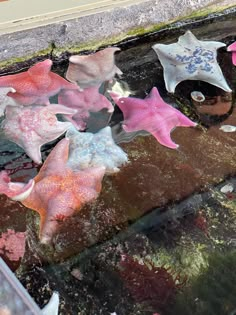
161	236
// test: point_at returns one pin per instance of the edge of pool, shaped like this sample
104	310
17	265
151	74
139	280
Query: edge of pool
91	27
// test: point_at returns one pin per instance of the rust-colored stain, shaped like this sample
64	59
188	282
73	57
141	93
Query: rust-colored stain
3	0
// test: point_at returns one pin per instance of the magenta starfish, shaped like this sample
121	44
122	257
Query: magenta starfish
88	100
232	48
35	85
58	190
32	126
93	69
153	115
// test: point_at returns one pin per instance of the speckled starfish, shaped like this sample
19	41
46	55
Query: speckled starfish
58	190
32	126
191	59
153	115
5	100
86	101
94	150
92	70
232	48
36	85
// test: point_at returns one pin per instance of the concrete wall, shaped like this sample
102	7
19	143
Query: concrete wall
92	28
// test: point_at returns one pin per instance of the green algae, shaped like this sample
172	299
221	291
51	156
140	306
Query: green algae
17	60
186	260
213	292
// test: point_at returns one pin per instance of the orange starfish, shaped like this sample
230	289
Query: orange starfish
58	190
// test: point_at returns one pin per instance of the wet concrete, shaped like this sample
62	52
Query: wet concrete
155	180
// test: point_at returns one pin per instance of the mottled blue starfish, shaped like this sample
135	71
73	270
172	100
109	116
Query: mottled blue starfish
94	150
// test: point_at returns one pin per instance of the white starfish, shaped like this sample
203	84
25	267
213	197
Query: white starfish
94	150
6	100
191	59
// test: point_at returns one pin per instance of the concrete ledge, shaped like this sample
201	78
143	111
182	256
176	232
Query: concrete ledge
88	27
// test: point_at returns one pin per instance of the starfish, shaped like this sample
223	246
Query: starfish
88	100
94	150
32	126
58	190
153	115
36	85
5	100
232	48
191	59
92	70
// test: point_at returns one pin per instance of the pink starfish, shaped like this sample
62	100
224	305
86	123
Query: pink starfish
58	191
153	115
32	126
15	191
88	100
232	48
35	85
93	69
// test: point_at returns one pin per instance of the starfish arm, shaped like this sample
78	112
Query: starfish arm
59	207
64	84
89	183
169	67
212	45
52	306
15	191
217	79
76	120
163	137
184	121
56	160
234	58
33	151
232	47
187	40
61	109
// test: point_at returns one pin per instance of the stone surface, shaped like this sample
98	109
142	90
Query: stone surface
83	28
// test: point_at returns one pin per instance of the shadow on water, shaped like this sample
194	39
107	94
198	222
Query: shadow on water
162	217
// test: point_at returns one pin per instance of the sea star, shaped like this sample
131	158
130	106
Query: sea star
88	100
5	100
92	70
94	150
153	115
58	190
36	85
191	59
232	48
32	126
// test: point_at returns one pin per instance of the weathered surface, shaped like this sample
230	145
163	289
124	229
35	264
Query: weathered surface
89	30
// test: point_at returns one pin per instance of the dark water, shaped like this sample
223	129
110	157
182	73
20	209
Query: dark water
161	237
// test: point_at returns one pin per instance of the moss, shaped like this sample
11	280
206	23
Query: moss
189	260
44	52
213	292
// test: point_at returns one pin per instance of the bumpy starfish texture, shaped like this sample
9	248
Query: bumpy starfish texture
59	191
94	150
232	48
153	115
92	70
191	59
35	85
5	100
86	101
32	126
